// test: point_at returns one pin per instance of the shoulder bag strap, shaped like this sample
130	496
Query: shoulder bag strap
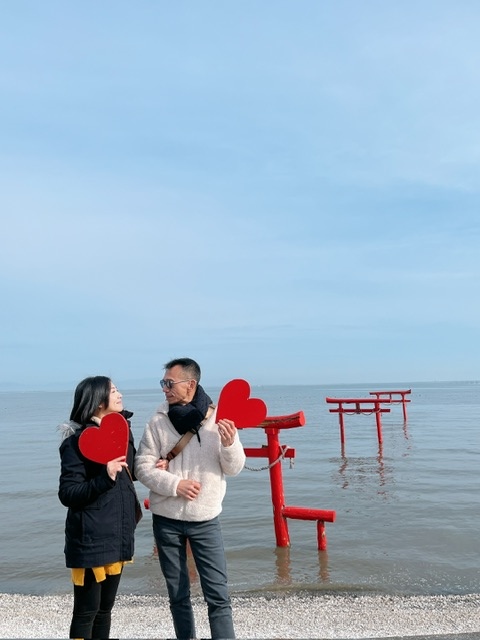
185	439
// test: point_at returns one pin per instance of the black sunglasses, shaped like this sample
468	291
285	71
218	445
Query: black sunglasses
169	383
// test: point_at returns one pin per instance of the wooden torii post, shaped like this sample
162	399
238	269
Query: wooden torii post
275	452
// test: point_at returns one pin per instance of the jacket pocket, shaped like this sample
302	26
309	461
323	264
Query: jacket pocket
100	519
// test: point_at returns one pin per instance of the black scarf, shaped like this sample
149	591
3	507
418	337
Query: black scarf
188	417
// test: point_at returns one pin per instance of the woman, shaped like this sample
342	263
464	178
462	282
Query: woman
101	518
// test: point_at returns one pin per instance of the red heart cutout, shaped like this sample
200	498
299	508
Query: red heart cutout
106	442
234	403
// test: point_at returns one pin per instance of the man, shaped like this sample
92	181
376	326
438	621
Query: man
186	497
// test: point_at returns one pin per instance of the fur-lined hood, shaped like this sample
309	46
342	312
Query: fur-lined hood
68	428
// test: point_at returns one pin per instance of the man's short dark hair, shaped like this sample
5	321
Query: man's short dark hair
190	367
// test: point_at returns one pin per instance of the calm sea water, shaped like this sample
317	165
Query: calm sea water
408	513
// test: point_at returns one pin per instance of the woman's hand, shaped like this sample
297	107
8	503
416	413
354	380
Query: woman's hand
227	431
115	466
162	464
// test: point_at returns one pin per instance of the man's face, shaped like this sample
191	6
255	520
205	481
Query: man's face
183	388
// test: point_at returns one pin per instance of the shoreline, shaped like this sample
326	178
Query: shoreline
295	615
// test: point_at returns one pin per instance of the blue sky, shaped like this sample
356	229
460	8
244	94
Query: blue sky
285	191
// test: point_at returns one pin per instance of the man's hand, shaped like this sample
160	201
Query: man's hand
188	489
227	431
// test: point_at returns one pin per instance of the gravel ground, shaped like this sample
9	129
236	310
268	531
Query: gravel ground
344	616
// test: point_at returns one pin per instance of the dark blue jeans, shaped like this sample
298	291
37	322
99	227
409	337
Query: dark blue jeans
206	543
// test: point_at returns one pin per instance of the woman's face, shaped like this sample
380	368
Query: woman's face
115	404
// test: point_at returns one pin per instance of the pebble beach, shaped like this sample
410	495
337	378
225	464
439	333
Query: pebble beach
299	615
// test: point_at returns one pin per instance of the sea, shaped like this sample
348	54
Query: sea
407	511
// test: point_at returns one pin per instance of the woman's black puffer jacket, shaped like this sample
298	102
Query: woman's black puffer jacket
100	523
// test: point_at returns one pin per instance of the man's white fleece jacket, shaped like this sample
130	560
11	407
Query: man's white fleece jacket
205	461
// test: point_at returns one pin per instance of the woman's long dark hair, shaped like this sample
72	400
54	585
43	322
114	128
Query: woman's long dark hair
89	395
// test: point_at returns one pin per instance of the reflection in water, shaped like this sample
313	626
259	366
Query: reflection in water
357	471
323	571
284	566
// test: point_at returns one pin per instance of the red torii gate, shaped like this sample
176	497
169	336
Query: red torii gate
366	406
275	453
391	397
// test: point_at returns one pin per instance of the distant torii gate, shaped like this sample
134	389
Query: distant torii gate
366	406
392	398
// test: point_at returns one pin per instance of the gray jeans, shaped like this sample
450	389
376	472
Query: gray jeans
206	543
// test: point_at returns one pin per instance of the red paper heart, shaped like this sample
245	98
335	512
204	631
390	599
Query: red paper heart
106	442
234	403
